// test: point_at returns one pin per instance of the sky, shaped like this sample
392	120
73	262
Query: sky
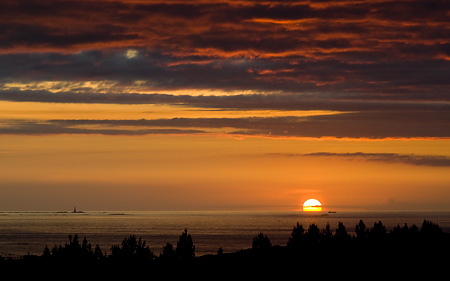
224	105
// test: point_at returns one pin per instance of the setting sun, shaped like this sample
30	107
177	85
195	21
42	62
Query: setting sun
312	205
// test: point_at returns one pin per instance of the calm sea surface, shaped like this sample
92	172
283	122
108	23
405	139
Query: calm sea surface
29	232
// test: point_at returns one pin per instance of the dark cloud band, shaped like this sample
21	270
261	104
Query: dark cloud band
410	159
238	102
352	125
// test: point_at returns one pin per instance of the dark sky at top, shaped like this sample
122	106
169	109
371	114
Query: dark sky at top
386	62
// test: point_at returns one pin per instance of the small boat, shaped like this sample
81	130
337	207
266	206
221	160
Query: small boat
331	212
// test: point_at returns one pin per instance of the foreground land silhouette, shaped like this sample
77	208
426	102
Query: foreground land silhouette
404	251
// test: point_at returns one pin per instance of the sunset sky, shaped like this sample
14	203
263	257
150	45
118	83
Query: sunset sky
224	105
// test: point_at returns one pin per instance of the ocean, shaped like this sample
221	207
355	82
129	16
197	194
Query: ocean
24	233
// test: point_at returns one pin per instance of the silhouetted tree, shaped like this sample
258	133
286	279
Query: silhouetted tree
327	233
98	254
261	241
57	251
86	245
132	249
297	236
185	247
313	234
430	228
46	254
341	233
72	252
413	232
378	232
414	229
400	229
361	231
168	253
399	232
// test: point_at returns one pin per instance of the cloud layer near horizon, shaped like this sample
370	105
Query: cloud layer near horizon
352	125
409	159
386	62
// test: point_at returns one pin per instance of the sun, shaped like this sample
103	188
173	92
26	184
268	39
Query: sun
312	205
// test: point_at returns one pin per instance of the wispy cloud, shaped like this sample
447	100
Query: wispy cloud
409	159
20	127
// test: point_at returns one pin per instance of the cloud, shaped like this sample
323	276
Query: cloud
327	79
35	35
409	159
246	26
349	125
387	62
20	127
80	93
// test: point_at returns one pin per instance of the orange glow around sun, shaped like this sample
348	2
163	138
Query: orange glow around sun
312	205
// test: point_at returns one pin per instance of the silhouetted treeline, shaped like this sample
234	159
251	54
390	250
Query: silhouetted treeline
403	248
132	250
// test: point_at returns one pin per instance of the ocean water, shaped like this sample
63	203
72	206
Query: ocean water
24	233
